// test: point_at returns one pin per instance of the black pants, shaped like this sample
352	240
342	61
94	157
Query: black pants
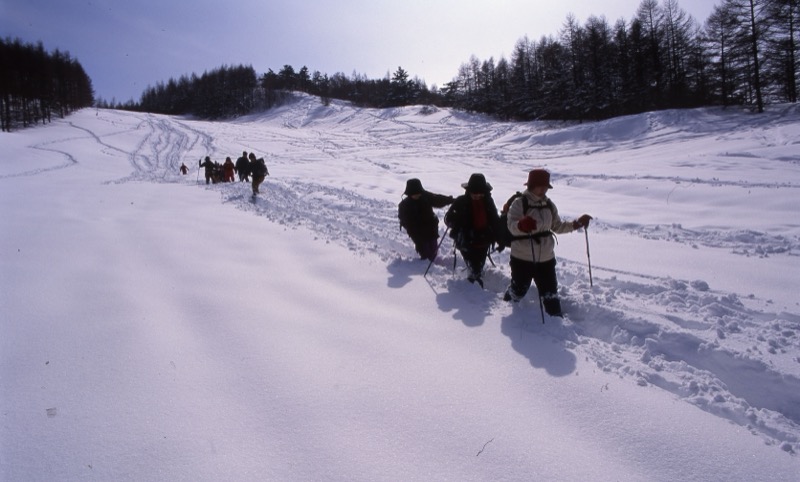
543	275
427	247
475	257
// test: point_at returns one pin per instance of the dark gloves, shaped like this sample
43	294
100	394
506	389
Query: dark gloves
527	224
582	222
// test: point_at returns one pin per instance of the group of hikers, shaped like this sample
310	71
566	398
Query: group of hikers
246	166
528	223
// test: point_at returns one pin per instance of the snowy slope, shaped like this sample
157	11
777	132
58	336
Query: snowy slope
155	328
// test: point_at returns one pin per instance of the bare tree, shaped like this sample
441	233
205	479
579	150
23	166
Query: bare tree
783	19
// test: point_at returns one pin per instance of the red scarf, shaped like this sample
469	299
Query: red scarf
479	218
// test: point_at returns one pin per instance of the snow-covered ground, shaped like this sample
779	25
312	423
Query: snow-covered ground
156	328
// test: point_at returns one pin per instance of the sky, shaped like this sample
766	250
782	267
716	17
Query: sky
126	46
154	327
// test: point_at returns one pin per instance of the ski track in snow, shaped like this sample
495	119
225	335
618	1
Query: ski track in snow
677	335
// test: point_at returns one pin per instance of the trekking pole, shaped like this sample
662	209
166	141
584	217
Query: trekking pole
437	251
541	308
489	255
455	258
588	257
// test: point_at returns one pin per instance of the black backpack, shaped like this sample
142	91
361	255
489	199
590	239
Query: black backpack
505	236
259	167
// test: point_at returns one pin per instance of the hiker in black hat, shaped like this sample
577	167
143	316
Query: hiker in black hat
416	215
474	224
258	169
534	221
208	165
243	167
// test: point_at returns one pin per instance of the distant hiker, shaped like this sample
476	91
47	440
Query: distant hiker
184	169
533	249
217	174
258	168
474	222
209	168
417	217
243	168
228	170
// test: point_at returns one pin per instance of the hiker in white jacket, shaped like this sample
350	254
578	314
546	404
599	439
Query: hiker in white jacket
534	221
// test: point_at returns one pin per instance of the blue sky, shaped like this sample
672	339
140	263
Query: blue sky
124	46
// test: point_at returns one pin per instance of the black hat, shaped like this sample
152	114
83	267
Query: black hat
413	186
477	184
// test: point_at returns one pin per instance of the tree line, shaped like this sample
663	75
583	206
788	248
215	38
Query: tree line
35	84
230	91
220	93
744	54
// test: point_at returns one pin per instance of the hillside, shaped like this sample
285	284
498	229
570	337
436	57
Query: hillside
158	328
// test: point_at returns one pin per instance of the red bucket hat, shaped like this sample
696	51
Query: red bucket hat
538	177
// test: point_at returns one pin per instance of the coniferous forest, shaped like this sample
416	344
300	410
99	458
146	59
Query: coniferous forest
744	54
35	84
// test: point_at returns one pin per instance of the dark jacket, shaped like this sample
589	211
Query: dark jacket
208	165
259	168
460	220
243	166
417	217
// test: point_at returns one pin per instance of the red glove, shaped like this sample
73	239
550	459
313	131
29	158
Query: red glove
527	224
582	222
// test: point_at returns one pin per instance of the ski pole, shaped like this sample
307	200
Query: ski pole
437	251
588	257
541	308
